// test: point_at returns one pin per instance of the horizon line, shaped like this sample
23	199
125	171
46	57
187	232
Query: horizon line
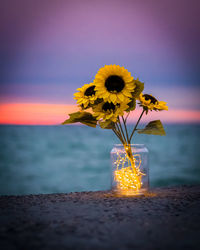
54	114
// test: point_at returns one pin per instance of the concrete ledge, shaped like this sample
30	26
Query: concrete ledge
165	218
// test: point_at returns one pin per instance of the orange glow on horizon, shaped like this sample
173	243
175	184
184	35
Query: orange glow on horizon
34	113
54	114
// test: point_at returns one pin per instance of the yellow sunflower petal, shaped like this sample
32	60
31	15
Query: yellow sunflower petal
151	103
113	98
113	80
86	95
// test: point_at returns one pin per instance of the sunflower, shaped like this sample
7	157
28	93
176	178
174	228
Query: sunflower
151	103
109	110
86	95
114	84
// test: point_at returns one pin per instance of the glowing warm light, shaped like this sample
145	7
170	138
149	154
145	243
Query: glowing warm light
128	179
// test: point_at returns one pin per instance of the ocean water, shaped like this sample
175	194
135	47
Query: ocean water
62	159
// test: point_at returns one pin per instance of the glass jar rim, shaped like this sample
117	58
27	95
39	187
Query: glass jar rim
132	145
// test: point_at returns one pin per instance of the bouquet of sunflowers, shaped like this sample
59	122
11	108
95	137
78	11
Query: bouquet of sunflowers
109	100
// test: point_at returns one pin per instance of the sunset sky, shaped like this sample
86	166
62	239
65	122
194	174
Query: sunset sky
49	48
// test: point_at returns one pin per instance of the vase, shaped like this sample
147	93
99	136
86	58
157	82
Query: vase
130	172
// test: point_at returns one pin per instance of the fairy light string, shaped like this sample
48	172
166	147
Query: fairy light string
128	178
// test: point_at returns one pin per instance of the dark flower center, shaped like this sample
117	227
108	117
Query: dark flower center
114	83
90	91
149	97
108	106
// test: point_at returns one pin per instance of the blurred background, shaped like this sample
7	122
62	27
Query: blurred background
50	48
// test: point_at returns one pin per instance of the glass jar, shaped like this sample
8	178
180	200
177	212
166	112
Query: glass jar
130	172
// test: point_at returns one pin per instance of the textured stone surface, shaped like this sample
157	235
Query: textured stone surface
167	218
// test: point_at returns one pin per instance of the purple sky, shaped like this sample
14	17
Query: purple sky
49	48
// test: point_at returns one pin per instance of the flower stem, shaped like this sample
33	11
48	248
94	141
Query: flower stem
121	130
127	116
124	121
136	125
118	132
130	156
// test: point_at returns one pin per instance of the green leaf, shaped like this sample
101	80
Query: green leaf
132	105
107	125
153	128
138	89
82	117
